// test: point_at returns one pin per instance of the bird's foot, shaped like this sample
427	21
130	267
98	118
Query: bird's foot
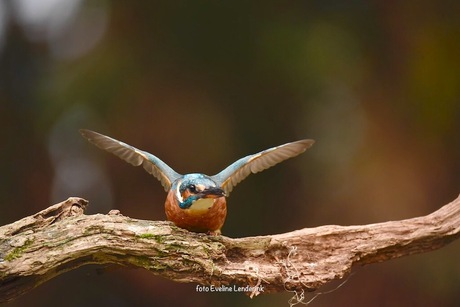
214	233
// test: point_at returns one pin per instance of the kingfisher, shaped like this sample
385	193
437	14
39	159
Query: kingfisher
196	201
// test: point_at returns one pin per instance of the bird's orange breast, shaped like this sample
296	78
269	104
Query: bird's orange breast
210	220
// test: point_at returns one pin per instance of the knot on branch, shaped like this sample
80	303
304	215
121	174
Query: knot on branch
73	206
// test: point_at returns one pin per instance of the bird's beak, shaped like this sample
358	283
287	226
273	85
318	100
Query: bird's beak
212	192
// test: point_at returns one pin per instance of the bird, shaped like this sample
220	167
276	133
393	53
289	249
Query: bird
197	202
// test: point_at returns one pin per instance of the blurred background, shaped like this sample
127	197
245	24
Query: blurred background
375	83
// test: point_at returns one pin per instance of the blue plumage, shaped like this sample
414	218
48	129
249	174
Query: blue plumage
197	201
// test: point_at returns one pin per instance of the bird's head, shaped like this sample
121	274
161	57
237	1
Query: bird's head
193	187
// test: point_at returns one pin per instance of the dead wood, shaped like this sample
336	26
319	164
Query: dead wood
61	238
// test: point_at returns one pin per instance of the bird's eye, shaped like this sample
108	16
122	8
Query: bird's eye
192	188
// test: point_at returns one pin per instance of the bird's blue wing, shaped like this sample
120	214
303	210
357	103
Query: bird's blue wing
237	171
134	156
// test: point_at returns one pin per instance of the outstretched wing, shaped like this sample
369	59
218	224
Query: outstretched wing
136	157
236	172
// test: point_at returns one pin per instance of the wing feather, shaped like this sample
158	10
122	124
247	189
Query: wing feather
239	170
134	156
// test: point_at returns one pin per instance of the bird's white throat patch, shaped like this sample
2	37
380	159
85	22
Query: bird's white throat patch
201	205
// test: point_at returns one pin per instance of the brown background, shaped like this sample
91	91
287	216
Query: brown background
376	83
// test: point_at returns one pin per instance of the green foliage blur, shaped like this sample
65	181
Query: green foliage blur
201	84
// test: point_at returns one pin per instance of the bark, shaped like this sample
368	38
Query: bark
61	238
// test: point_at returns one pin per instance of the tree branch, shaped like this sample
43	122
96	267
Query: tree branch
61	238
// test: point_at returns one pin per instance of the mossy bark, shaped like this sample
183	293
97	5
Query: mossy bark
61	238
